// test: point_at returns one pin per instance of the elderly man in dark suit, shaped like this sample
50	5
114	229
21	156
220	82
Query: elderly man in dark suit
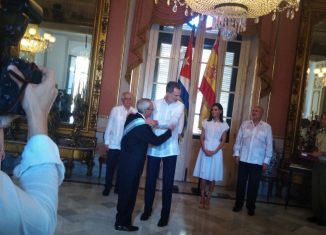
136	137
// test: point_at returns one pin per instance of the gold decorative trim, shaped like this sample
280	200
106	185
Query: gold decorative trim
100	25
313	11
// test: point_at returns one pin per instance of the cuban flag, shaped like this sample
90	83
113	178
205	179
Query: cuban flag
185	74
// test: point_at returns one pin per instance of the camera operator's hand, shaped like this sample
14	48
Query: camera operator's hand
37	101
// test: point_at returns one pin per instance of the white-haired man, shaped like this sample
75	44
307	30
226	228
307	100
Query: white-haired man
113	135
136	137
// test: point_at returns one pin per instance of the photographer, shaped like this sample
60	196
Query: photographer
31	207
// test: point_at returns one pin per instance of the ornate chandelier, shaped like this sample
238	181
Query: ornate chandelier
320	73
231	15
33	42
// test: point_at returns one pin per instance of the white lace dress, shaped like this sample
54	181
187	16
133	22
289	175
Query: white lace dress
211	168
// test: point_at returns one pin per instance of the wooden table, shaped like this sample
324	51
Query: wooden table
296	168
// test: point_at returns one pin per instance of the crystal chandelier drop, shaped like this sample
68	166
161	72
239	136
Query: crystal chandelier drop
230	16
33	42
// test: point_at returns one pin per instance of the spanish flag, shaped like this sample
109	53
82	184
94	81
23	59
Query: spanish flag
208	84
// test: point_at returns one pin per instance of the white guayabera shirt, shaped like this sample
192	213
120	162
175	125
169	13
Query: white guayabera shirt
166	115
114	129
254	144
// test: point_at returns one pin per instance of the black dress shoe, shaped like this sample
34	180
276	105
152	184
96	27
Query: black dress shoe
106	192
127	228
321	223
162	222
236	208
312	219
145	215
251	212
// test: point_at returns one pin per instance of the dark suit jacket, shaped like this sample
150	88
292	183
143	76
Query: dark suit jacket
134	148
133	154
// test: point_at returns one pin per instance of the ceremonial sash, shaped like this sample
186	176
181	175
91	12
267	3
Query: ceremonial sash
133	124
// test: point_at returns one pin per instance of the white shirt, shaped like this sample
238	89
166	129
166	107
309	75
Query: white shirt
31	208
254	144
114	130
166	115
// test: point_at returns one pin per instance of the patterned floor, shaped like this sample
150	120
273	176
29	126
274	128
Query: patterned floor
83	210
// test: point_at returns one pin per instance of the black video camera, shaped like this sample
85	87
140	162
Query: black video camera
15	15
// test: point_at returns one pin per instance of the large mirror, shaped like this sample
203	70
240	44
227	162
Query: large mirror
308	99
75	51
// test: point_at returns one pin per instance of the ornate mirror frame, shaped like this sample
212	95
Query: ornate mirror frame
100	26
313	11
88	125
75	148
97	58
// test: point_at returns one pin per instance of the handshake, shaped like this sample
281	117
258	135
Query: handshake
154	123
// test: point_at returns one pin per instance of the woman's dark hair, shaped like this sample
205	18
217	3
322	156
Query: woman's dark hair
219	106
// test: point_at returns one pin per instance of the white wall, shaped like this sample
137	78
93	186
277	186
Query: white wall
57	56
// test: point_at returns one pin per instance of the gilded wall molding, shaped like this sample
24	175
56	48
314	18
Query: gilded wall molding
101	26
313	11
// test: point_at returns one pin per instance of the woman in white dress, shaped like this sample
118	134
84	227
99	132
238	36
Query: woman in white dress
209	164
